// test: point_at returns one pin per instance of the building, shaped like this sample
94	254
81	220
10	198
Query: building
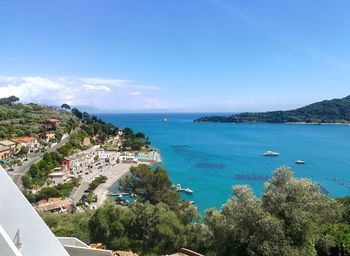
22	231
71	164
58	177
75	247
5	152
102	154
47	136
55	204
8	143
51	124
186	252
30	142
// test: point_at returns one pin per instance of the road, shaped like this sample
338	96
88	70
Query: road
33	158
78	192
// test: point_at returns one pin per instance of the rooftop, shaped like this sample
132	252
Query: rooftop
24	139
3	148
7	143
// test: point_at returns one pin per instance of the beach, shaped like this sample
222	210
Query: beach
113	174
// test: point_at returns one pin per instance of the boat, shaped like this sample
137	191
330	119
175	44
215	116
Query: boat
178	187
271	153
300	162
188	191
165	119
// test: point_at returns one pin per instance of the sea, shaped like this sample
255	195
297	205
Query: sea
211	158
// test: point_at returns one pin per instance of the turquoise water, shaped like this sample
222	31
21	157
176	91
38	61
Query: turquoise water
210	158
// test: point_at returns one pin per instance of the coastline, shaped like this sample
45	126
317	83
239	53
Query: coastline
113	174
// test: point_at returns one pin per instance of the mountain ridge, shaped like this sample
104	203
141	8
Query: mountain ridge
326	111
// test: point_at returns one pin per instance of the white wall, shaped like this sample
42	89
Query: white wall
17	213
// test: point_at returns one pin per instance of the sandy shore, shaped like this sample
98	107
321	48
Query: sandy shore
113	174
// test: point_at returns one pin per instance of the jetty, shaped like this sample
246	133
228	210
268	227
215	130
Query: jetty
119	194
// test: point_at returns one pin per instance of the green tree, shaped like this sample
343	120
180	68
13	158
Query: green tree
291	218
110	224
46	193
65	106
152	186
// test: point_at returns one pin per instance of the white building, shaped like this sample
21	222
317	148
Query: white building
24	233
103	155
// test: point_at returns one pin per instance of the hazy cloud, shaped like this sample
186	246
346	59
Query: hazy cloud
97	92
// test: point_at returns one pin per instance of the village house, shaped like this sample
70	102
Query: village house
58	176
71	164
5	152
47	136
30	142
56	205
8	143
51	123
102	155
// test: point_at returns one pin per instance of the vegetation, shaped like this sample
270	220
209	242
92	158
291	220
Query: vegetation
9	100
328	111
151	186
38	172
94	126
27	119
134	141
65	106
96	182
292	217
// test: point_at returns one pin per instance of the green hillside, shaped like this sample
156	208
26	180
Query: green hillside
327	111
18	119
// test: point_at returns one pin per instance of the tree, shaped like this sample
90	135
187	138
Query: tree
65	106
9	100
46	193
291	218
110	224
77	113
152	186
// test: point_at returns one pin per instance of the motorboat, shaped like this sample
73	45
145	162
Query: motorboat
271	153
188	191
300	162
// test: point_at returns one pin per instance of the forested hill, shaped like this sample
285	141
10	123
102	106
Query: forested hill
327	111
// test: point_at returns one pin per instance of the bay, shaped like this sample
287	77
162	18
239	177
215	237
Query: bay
210	158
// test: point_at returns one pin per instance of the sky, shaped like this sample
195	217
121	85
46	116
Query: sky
175	55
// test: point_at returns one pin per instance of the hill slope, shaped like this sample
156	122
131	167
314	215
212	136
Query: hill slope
27	119
327	111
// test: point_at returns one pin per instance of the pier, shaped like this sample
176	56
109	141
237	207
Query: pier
119	194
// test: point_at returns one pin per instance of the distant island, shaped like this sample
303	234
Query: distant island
336	111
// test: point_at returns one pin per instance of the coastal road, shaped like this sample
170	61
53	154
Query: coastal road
78	192
33	158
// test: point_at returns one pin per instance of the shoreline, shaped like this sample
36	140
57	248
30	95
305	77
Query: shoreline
292	123
113	174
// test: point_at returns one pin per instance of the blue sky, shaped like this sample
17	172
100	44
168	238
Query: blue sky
183	55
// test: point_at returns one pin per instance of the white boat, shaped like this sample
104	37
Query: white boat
165	119
271	153
178	187
188	191
300	162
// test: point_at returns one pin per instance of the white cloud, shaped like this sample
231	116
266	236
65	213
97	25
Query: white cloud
90	87
136	93
97	92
